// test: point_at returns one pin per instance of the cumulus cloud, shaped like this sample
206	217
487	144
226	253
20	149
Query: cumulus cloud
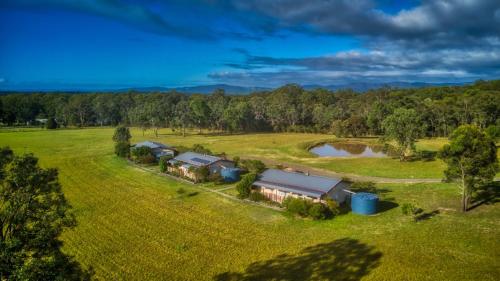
354	66
440	40
435	39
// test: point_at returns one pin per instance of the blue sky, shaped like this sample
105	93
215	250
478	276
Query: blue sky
61	44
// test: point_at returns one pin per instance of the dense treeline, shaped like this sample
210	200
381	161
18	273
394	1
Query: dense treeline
289	108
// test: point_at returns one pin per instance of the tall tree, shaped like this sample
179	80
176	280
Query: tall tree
404	126
33	214
199	110
472	160
122	138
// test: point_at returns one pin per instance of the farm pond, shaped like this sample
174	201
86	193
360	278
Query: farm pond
349	149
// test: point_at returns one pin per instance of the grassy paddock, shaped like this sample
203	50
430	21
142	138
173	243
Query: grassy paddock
292	147
133	225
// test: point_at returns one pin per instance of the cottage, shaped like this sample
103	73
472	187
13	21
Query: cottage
185	163
277	185
158	149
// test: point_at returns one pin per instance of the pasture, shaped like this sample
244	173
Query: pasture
133	225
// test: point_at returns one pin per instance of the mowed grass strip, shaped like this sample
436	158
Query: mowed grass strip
132	224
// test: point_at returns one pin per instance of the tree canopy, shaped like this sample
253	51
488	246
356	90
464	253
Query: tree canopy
472	160
33	213
288	108
405	127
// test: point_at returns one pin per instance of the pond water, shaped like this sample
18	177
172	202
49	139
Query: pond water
340	149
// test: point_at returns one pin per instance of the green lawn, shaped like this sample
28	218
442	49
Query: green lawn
133	225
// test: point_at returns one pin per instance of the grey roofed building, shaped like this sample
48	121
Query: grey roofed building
151	144
158	149
312	186
196	159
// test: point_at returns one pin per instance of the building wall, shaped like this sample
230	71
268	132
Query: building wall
279	196
338	194
182	172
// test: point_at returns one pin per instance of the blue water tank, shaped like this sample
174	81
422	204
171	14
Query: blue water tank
230	174
364	203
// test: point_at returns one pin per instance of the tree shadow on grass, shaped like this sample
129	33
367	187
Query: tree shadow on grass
342	259
487	195
386	205
428	215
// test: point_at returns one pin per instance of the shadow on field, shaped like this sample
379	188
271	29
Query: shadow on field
489	194
342	259
427	216
386	205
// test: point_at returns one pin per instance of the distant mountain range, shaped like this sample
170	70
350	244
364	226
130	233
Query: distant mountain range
203	89
241	90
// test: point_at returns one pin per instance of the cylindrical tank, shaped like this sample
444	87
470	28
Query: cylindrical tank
364	203
230	174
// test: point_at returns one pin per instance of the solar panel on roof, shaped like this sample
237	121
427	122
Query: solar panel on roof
199	160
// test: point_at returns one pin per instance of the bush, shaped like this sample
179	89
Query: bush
364	186
143	155
333	207
244	187
198	148
297	206
51	124
253	166
141	151
122	149
216	178
236	160
319	211
201	173
147	159
164	163
409	209
493	131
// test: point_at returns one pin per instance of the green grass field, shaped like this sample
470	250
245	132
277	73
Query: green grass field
133	225
287	147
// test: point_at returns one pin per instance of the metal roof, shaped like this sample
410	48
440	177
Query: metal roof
314	186
196	159
151	144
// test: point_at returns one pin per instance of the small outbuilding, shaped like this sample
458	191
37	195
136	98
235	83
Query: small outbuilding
158	149
277	185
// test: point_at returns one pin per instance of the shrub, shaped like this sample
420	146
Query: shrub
122	149
51	124
198	148
245	185
318	211
364	186
257	197
236	160
297	206
253	166
141	151
409	209
147	159
493	131
216	178
164	163
201	173
333	207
